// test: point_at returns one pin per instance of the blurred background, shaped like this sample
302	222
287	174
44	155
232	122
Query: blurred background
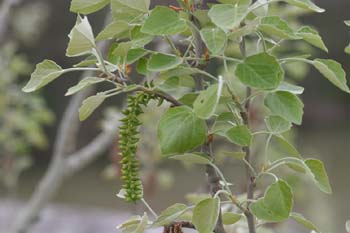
86	202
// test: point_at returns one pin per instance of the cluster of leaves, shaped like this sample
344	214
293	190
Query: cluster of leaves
216	109
22	118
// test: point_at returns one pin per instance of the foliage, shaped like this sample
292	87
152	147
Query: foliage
249	40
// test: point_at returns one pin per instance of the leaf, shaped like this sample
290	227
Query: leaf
87	6
286	105
311	36
140	39
129	11
161	62
261	71
82	84
135	55
142	225
45	72
284	147
333	71
180	130
207	101
305	4
90	105
275	26
170	215
276	204
319	174
215	39
239	135
193	158
163	21
132	222
206	214
347	23
81	39
347	49
277	124
294	89
229	218
229	16
113	30
303	221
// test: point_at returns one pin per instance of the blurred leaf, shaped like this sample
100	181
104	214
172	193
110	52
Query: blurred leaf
206	103
215	39
112	30
277	124
161	62
239	135
275	26
294	89
305	4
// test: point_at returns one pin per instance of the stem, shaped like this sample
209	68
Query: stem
296	59
172	45
149	208
81	69
250	175
221	176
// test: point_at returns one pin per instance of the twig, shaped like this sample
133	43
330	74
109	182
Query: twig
250	175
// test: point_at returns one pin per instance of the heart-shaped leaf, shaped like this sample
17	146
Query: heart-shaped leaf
206	214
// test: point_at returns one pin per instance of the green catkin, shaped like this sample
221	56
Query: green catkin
128	139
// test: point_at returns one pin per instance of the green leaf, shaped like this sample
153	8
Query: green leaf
239	135
140	39
311	36
87	6
333	71
82	84
129	11
347	49
113	30
90	105
286	105
261	71
180	130
81	38
294	89
284	147
161	62
276	205
193	158
135	55
275	26
206	214
319	174
170	215
277	124
45	72
215	39
229	16
303	221
229	218
163	21
142	225
130	223
207	101
305	4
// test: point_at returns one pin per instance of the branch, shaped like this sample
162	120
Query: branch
250	176
5	12
57	170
